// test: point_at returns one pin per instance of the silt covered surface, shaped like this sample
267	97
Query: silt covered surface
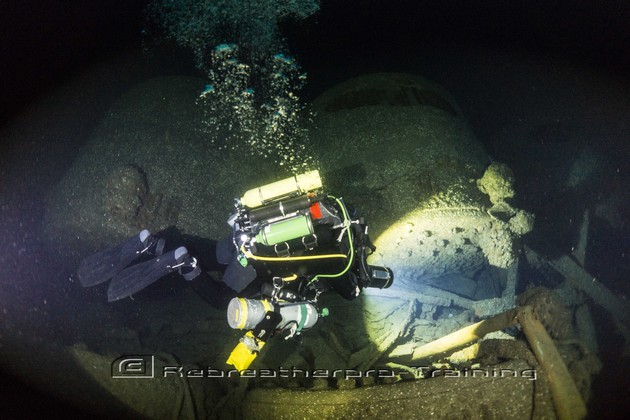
149	164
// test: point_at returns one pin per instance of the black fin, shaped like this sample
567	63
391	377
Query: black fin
139	276
102	266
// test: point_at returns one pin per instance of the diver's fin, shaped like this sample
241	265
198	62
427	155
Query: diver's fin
139	276
102	266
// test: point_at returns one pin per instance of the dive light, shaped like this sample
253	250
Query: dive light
381	277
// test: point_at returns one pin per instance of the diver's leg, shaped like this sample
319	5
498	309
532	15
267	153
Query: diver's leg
102	266
216	293
238	277
226	251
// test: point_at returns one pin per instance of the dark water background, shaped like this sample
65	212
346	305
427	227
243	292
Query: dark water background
537	80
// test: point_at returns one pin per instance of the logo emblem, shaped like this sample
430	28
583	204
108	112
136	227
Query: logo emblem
137	366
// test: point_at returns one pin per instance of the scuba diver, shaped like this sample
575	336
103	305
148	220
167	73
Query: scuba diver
289	243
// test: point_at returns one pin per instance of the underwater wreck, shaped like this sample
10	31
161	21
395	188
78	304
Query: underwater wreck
460	333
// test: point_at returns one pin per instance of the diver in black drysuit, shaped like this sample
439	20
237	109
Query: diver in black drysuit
144	258
282	254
